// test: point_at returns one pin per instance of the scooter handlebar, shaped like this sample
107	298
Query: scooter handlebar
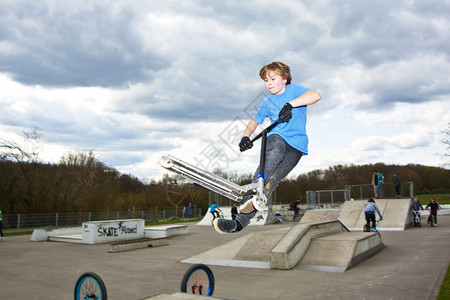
269	128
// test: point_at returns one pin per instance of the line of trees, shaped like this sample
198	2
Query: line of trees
79	182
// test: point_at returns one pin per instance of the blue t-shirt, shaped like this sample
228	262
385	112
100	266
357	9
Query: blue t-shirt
294	131
213	207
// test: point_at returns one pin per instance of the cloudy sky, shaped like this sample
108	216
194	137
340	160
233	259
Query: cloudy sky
133	80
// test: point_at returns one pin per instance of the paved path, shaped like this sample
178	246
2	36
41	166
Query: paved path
411	267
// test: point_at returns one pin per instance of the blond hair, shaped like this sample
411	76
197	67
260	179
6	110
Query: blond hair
279	68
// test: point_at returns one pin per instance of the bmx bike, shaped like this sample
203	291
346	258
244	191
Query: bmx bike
90	286
432	218
199	280
416	218
368	228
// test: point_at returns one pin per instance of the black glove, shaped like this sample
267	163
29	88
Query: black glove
285	113
245	144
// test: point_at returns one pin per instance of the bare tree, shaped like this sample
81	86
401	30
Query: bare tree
446	141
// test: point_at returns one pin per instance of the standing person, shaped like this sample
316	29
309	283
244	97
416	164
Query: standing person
184	211
234	210
369	211
380	185
375	183
397	184
296	208
286	143
1	226
189	209
433	206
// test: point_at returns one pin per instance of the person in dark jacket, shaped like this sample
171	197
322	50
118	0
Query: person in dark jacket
433	206
296	208
416	207
397	184
234	210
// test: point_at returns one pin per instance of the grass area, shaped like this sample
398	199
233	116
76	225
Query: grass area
444	292
440	198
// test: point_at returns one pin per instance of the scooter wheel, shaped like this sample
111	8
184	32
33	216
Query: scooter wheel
259	203
166	162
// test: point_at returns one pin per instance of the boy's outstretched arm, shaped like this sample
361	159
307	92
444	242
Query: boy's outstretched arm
308	98
251	127
246	143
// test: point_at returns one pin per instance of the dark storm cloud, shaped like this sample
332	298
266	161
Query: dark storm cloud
61	45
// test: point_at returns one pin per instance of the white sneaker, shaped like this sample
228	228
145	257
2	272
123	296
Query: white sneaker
246	205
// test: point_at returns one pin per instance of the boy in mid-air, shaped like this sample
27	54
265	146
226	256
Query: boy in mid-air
286	142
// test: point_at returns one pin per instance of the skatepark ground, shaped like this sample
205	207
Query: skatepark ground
412	266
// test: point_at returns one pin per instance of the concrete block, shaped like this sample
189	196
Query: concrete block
157	232
293	246
43	234
137	244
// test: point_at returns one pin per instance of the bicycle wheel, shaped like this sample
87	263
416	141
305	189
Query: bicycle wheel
198	279
90	286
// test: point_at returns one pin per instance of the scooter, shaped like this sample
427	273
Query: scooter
223	186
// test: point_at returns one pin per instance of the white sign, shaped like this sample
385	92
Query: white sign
112	231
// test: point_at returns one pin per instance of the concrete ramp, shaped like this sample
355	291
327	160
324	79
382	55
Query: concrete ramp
340	251
324	246
395	214
259	219
248	251
320	215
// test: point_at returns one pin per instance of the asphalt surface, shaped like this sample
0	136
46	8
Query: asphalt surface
412	266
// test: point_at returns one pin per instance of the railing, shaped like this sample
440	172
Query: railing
335	198
325	198
23	221
365	191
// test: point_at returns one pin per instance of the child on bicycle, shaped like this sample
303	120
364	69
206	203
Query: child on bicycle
214	210
416	207
369	211
433	206
285	144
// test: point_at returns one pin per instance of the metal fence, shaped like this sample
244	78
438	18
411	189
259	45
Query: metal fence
365	191
24	221
335	198
325	198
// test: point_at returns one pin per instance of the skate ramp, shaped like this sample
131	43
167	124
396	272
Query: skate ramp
395	214
323	246
340	251
249	251
259	219
319	215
